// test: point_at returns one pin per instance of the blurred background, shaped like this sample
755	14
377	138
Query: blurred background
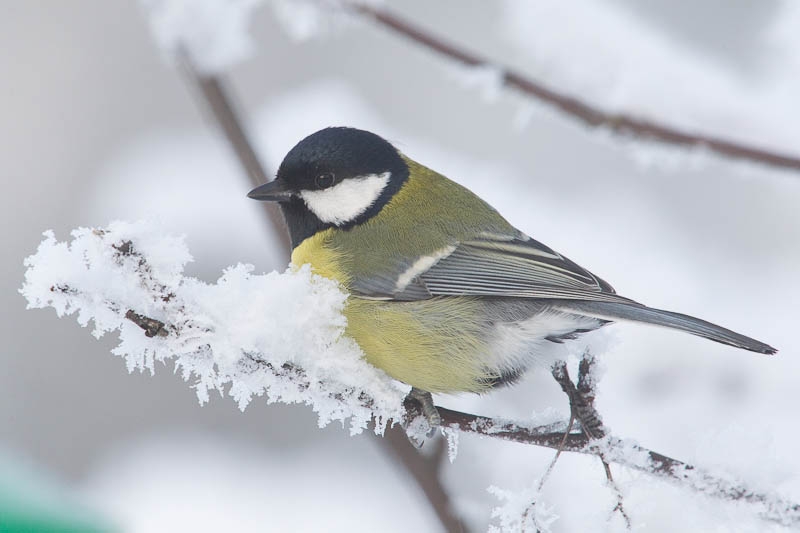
96	125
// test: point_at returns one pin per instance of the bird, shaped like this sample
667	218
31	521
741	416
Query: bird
445	295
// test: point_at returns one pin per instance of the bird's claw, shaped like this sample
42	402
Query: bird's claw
419	405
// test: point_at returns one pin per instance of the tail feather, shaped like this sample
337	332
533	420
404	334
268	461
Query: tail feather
640	313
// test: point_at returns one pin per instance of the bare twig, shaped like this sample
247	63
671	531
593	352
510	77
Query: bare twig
559	450
581	401
219	101
581	405
428	478
592	116
634	457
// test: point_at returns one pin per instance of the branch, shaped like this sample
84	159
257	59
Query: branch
425	472
581	402
218	100
633	456
613	449
587	114
233	335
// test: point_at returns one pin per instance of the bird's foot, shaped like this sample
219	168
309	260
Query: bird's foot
419	405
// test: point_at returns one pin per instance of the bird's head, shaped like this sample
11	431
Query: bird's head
334	177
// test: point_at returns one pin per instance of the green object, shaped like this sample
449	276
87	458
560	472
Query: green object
31	502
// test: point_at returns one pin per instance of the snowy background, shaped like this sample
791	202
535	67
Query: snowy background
97	126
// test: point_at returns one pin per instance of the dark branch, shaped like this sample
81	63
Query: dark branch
221	104
616	451
591	116
581	402
150	326
425	471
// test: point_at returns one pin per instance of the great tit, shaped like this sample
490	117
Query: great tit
445	294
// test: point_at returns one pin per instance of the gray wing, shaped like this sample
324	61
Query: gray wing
518	267
491	265
513	267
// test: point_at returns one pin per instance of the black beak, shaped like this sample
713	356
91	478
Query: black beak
274	191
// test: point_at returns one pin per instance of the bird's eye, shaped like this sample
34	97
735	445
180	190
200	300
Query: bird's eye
323	181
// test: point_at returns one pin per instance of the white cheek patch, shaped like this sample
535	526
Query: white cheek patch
347	200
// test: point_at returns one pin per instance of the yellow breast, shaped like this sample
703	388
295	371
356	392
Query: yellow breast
432	344
323	258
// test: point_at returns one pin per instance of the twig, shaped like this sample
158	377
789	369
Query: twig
631	456
151	327
581	401
580	404
560	449
592	116
428	478
219	101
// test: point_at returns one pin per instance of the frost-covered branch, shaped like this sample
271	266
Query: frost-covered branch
128	278
628	454
281	335
278	334
575	108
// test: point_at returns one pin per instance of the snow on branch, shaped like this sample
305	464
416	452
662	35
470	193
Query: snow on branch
281	335
214	33
630	455
277	334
